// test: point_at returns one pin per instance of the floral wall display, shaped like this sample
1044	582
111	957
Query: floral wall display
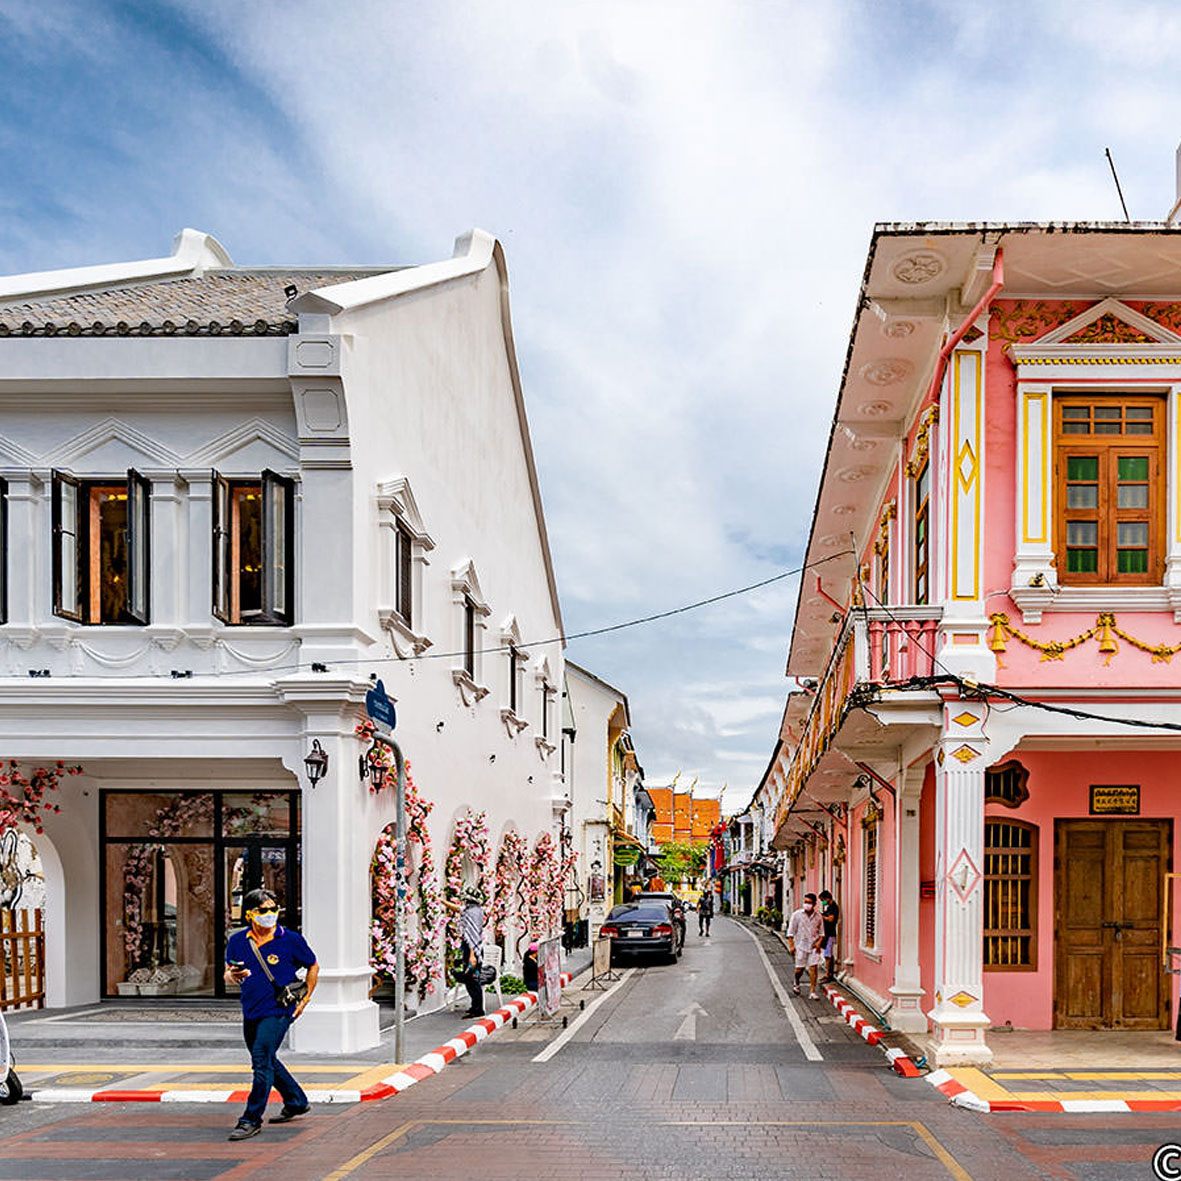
423	916
544	889
506	901
470	841
23	797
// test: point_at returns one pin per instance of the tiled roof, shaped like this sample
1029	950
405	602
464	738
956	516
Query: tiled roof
219	302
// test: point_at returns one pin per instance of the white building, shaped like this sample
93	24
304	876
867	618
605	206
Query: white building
231	498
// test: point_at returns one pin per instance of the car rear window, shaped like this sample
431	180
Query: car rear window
644	914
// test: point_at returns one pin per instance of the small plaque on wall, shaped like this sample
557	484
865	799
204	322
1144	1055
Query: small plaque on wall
1108	800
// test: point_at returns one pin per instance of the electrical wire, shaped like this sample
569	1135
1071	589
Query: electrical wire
421	656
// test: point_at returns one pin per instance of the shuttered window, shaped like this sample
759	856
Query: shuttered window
869	925
1109	491
253	550
922	537
101	549
1010	896
405	570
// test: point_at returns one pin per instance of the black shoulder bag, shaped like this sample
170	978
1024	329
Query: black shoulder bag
287	996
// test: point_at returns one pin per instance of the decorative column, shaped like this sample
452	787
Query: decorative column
960	761
340	820
907	990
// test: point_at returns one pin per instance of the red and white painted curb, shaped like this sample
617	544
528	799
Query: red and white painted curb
426	1066
960	1096
897	1058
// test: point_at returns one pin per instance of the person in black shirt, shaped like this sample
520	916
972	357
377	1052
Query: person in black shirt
831	913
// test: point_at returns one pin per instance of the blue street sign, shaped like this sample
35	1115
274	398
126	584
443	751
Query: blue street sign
380	708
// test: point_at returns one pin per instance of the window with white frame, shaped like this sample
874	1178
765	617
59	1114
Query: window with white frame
870	830
471	613
547	692
254	550
403	555
101	549
514	664
1096	465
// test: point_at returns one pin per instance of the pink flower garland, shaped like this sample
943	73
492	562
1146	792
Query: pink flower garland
27	803
510	863
544	889
423	960
471	837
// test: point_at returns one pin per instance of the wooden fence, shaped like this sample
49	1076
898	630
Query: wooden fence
22	960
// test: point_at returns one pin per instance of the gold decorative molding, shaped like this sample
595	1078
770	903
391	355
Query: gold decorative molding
922	440
1106	631
889	512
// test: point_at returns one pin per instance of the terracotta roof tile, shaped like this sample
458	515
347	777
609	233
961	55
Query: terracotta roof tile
226	302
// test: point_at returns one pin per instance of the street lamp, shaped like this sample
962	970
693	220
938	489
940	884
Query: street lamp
316	762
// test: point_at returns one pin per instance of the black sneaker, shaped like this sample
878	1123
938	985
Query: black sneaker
244	1131
289	1113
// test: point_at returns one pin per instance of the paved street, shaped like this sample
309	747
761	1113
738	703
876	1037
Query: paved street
682	1071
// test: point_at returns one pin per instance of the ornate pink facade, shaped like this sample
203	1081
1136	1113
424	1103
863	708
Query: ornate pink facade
983	770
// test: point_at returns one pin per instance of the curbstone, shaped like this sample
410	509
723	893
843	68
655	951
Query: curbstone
426	1066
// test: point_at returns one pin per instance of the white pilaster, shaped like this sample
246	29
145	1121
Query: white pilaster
337	851
907	990
958	1015
1034	576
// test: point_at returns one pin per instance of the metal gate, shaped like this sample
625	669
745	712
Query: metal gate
22	960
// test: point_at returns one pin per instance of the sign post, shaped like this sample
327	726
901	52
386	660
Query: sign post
381	713
549	976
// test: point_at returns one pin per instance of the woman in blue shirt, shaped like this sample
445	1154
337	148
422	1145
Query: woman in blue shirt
264	1020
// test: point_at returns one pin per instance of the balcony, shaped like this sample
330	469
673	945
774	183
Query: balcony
878	647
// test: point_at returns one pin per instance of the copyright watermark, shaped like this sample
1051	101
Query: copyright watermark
1166	1162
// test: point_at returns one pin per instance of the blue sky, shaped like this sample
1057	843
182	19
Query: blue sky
685	192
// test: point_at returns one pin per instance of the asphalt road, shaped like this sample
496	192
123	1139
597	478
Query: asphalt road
683	1071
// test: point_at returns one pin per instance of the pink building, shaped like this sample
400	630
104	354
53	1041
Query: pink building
984	771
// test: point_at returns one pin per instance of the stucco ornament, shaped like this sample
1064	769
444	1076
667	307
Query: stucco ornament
887	371
920	267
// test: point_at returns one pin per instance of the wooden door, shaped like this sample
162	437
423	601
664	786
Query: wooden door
1108	878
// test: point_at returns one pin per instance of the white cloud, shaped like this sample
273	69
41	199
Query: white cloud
685	192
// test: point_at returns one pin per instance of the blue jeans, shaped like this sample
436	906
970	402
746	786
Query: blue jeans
263	1037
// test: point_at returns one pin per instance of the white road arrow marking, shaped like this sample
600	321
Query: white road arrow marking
688	1028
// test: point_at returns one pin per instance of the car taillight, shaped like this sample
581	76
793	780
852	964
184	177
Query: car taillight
609	932
663	929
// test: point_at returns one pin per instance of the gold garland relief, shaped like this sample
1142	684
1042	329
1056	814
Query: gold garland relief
1106	630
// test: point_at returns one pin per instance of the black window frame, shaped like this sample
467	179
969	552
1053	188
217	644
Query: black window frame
138	532
469	636
278	578
514	676
404	574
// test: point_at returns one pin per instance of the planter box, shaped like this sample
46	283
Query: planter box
165	988
126	988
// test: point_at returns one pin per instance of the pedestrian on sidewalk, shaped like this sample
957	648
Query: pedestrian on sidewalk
805	936
471	946
263	960
705	912
830	912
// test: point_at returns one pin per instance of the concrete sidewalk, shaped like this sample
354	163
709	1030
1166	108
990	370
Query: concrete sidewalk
198	1046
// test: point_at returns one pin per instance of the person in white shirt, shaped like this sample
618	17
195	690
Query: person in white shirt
805	938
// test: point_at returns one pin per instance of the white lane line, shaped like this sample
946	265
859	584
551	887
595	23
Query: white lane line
580	1020
797	1026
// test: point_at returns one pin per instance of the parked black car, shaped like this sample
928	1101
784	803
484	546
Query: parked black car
642	927
674	903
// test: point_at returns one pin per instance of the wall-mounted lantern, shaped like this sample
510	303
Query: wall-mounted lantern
316	762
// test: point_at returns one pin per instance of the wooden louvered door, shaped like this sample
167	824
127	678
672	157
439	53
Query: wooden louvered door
1107	924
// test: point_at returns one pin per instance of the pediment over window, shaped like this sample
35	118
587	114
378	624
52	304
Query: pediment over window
396	496
111	445
510	631
1110	321
252	446
14	455
465	581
